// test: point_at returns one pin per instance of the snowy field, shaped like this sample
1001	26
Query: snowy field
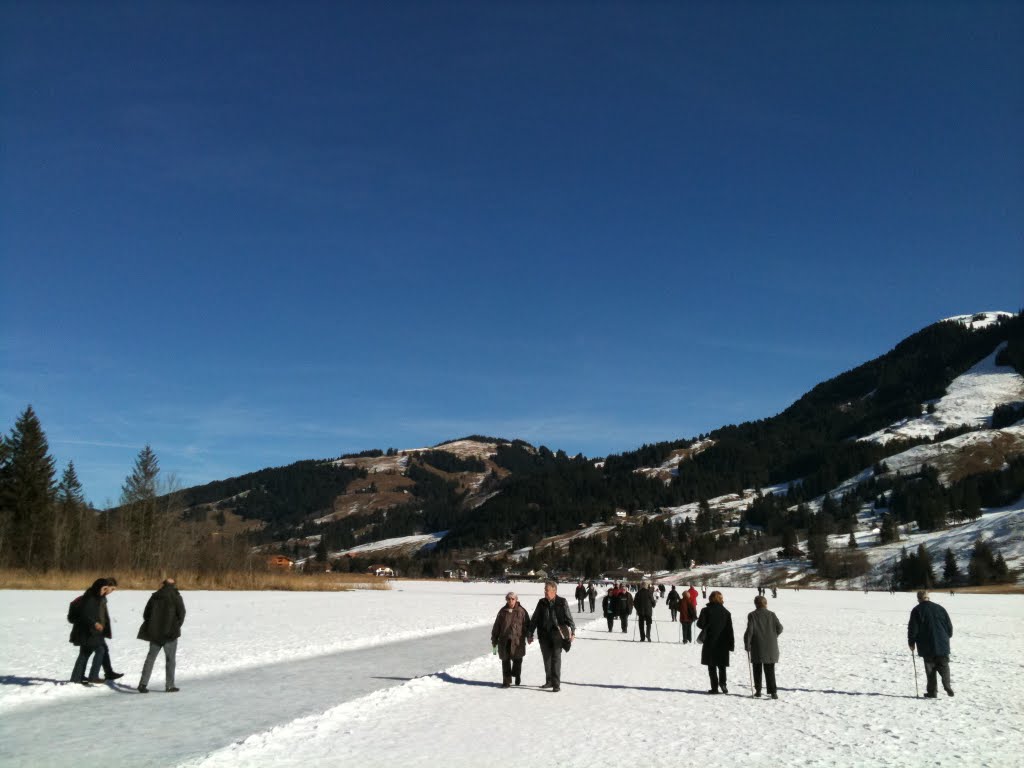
406	678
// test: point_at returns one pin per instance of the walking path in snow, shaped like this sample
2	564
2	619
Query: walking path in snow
161	729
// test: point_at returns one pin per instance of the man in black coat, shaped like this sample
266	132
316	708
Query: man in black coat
581	595
552	622
644	605
592	594
87	630
930	630
163	617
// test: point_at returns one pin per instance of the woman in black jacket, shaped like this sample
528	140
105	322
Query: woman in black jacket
87	631
716	622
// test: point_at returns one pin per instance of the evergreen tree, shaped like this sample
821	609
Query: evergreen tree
852	543
950	571
73	530
139	509
27	496
927	574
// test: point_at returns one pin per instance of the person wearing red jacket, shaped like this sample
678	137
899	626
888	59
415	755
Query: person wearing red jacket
691	594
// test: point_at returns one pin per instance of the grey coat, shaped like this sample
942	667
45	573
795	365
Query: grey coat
762	636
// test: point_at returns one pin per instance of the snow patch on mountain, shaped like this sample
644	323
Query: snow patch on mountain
969	399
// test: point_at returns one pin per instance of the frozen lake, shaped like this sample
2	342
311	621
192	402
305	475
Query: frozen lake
406	676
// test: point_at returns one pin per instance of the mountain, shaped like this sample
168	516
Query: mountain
924	436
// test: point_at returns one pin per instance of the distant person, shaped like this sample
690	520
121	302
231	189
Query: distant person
661	591
644	604
161	627
609	607
87	630
691	595
703	592
672	601
761	640
687	615
930	630
551	621
581	595
508	635
775	593
592	594
625	607
719	642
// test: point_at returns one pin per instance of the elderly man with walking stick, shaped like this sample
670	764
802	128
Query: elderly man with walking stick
761	641
929	630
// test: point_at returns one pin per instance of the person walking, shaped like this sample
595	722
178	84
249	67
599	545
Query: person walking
930	630
691	595
592	594
644	604
609	607
672	601
508	636
719	642
581	595
625	607
661	591
761	641
108	633
161	627
551	621
687	615
87	630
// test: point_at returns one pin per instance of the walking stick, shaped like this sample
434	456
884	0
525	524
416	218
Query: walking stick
750	671
917	690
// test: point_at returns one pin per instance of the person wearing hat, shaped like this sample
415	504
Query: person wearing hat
929	630
508	636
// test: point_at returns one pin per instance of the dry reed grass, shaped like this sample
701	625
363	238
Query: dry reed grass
237	581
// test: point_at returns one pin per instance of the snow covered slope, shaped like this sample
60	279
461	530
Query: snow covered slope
969	399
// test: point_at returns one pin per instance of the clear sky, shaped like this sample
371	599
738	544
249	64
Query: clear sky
250	233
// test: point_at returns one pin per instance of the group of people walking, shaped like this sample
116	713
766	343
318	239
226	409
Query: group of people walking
91	628
929	631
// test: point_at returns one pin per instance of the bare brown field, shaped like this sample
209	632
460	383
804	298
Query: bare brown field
242	581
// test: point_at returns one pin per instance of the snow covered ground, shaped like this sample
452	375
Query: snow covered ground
847	694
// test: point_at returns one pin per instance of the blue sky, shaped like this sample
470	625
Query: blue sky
250	234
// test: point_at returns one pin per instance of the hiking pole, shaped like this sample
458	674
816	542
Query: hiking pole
750	671
917	690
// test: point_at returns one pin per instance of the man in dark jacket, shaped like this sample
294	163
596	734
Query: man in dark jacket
161	626
608	607
87	631
552	622
644	604
592	594
625	607
108	634
581	595
672	601
930	630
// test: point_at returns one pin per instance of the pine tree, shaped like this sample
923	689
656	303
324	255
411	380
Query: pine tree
27	495
927	574
72	530
950	570
139	509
